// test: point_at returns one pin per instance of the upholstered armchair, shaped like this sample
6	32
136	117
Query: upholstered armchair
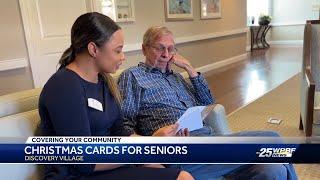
310	80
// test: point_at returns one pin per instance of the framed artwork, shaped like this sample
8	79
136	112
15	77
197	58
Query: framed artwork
124	10
118	10
210	9
178	9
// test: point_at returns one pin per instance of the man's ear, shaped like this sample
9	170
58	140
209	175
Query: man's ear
92	49
144	49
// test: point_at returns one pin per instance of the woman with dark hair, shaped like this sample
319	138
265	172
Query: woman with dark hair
81	99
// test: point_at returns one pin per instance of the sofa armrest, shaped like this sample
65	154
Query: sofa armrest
19	126
307	102
19	102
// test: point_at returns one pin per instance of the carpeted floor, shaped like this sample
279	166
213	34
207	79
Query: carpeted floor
282	102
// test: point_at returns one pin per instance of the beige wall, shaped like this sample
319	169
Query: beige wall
148	13
298	12
12	35
292	10
287	33
151	12
13	46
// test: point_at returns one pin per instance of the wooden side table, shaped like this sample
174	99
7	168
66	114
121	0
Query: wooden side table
258	36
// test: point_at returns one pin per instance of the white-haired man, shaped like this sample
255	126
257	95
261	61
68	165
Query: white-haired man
154	97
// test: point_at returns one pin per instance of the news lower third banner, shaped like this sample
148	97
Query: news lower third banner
164	150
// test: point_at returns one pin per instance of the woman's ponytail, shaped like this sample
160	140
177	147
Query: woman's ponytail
67	57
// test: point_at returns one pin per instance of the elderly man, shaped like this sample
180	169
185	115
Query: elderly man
154	97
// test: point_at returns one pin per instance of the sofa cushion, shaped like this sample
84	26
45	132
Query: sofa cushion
19	102
19	125
19	171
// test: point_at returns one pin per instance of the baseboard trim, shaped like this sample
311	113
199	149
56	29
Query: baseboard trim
13	64
280	24
248	48
282	44
288	43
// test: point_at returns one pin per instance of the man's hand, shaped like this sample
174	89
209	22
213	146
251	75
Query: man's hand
183	63
171	130
167	130
184	132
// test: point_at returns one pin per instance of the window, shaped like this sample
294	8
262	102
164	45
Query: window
257	7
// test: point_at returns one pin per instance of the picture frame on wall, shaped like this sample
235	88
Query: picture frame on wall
210	9
118	10
179	10
124	10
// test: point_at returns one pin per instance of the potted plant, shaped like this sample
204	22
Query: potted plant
264	20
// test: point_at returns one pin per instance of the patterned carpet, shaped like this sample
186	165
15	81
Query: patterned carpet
282	102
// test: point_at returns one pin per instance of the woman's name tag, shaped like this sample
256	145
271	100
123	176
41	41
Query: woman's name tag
95	104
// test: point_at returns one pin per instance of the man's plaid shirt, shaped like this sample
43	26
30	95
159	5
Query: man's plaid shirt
152	99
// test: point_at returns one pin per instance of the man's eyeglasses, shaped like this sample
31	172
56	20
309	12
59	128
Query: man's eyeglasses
162	49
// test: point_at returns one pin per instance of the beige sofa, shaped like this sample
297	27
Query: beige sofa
18	119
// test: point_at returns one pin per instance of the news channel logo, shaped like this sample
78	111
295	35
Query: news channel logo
275	152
